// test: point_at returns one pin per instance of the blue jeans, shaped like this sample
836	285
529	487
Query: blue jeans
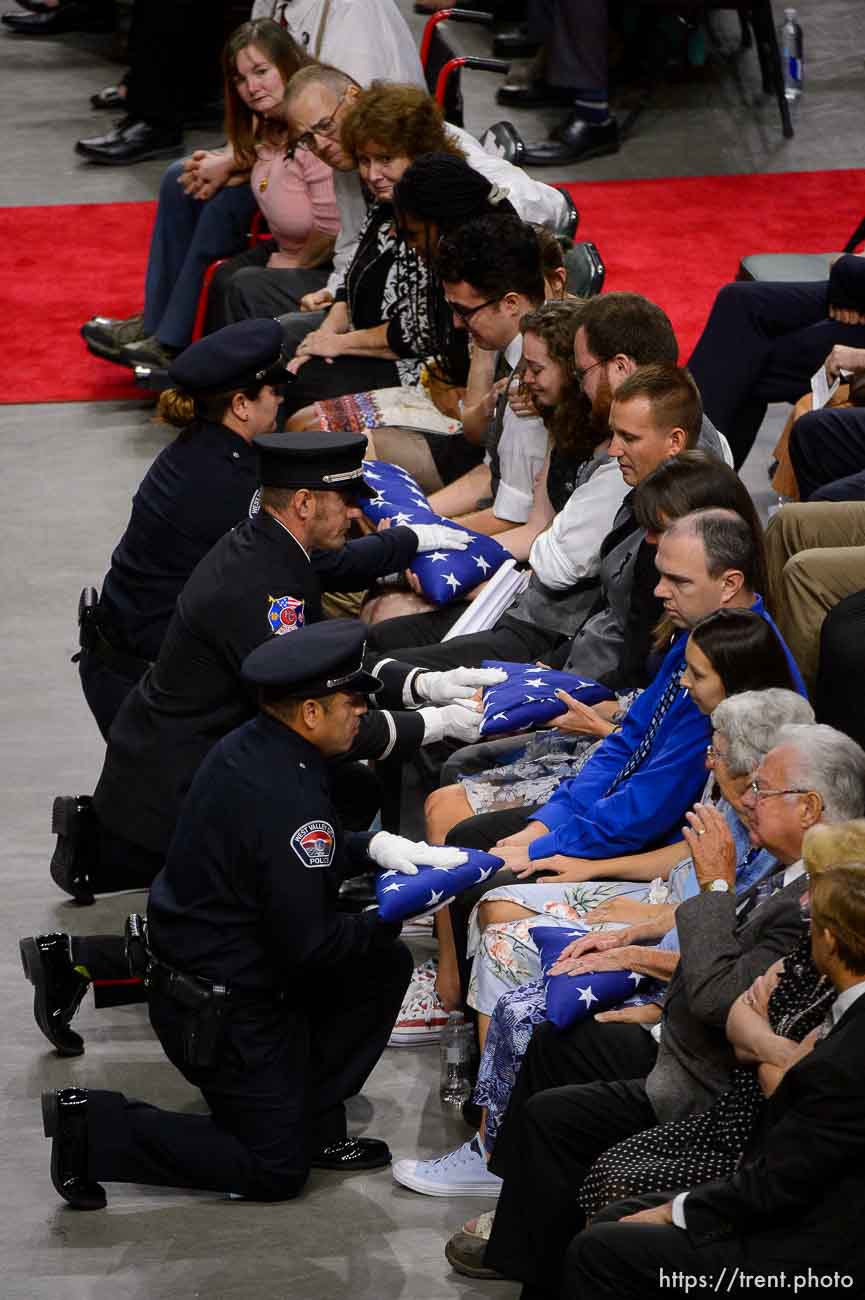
189	234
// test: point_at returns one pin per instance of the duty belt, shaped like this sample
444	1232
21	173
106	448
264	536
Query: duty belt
94	636
190	991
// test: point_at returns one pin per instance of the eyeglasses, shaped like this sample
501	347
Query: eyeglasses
770	794
465	313
581	374
325	126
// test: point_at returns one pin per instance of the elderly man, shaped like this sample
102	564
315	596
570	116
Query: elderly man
794	1205
576	1094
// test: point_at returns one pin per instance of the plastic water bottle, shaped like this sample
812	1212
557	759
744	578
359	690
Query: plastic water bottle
792	60
457	1043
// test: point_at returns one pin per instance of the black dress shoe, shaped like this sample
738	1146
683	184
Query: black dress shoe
577	139
71	17
353	1153
130	142
110	97
534	95
58	989
466	1255
36	7
71	822
64	1118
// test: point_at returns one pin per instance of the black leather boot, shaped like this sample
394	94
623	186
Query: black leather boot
57	989
71	820
64	1120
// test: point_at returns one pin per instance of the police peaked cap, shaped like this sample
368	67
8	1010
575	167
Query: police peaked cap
314	660
313	460
237	356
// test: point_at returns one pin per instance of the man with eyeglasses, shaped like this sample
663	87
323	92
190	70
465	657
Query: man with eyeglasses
572	1102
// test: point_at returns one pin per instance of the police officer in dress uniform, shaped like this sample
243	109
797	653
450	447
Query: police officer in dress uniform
199	486
263	578
264	996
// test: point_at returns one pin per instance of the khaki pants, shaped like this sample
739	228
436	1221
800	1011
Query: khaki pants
815	556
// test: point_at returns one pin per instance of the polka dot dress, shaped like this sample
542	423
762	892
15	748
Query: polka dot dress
702	1148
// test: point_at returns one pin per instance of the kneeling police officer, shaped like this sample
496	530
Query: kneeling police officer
273	1003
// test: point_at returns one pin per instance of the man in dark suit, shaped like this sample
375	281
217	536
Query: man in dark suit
580	1092
795	1204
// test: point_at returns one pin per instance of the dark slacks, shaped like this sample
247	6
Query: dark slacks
276	1094
827	450
174	56
417	641
104	689
588	1052
840	699
762	343
251	289
575	35
623	1261
187	237
319	380
561	1133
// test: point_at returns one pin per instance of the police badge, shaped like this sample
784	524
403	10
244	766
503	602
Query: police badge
314	844
285	614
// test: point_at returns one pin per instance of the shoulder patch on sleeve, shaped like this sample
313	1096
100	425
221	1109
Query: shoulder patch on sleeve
285	614
314	843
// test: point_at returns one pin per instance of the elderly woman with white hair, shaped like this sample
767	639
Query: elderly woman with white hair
631	926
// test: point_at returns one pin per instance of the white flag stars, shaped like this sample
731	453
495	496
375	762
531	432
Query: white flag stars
437	555
393	889
482	564
587	996
435	898
452	581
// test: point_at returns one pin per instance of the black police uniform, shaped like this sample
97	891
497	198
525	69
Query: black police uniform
201	485
247	901
256	582
193	694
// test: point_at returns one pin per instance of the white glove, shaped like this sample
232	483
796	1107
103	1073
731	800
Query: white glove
439	537
396	853
455	684
461	721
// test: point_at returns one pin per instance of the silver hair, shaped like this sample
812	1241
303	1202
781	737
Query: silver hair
750	722
830	763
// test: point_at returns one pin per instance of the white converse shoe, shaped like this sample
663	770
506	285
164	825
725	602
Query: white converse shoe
462	1172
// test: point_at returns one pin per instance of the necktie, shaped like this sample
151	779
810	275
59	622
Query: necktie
671	690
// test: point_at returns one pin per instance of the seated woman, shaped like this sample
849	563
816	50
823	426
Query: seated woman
295	196
547	392
388	315
640	922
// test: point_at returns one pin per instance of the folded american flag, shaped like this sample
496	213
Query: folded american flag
575	997
400	896
443	575
527	699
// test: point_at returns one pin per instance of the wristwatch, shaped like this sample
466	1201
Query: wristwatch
715	887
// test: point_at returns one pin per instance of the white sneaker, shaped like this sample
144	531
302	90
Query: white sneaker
421	1017
462	1172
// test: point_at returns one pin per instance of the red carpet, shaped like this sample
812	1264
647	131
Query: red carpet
675	240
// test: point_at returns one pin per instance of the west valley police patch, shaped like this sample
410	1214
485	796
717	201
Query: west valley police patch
314	844
285	614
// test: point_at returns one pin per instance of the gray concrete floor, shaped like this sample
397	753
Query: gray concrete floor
68	473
